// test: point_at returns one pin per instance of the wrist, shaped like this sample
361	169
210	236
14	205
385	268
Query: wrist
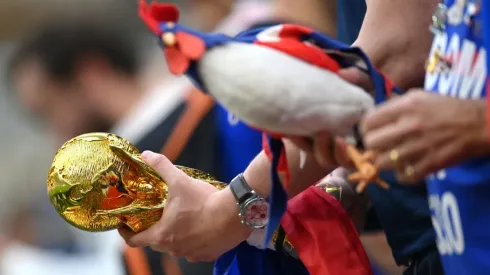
482	126
394	58
256	182
229	206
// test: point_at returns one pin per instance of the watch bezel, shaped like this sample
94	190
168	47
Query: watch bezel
244	207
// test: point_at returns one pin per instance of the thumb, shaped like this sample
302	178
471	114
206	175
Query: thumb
357	77
303	143
164	167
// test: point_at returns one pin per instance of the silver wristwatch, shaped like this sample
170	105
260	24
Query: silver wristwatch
253	209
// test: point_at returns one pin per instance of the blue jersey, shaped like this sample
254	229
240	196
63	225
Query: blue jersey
350	15
238	144
459	196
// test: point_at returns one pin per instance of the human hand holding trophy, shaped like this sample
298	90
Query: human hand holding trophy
99	182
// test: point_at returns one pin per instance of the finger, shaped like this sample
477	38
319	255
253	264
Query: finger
196	257
391	135
446	155
303	143
163	166
193	259
158	248
340	153
357	77
387	113
323	149
126	233
176	253
150	237
408	152
412	177
429	161
416	171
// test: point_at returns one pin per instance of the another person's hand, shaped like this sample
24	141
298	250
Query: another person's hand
199	222
420	133
329	151
356	205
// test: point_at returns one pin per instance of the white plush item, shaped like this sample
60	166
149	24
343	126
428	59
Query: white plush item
278	93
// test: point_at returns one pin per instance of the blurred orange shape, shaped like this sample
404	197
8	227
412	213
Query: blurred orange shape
190	45
178	62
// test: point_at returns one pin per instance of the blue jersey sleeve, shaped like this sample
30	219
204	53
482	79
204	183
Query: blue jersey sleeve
237	146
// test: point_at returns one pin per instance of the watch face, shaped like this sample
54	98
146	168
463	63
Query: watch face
255	213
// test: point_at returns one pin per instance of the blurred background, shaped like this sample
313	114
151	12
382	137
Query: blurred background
27	147
31	233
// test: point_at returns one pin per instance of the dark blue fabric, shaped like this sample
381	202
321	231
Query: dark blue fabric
403	213
237	144
350	14
253	261
486	29
278	198
376	271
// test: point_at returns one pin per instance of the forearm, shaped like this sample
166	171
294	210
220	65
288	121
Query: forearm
480	143
395	35
258	172
318	14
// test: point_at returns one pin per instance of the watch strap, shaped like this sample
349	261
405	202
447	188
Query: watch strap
240	189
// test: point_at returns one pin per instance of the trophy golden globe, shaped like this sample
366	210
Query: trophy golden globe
99	182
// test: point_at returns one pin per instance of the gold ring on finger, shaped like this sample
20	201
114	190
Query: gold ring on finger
394	155
409	170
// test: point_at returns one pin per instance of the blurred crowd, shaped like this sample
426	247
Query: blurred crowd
70	68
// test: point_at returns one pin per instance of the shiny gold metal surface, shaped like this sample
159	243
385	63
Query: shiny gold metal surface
98	182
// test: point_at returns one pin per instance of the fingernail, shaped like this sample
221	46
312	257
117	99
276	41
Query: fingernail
147	154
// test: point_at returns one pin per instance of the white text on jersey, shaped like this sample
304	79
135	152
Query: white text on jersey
447	224
467	76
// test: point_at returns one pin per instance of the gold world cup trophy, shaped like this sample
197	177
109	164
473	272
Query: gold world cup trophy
98	182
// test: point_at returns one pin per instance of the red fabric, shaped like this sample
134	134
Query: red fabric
388	85
309	54
265	147
283	168
324	235
291	43
294	31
